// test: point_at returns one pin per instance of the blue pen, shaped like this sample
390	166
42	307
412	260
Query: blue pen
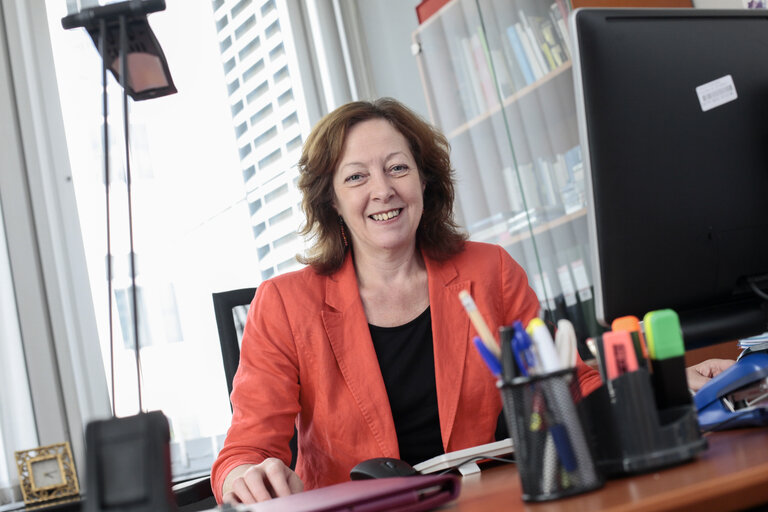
521	345
493	363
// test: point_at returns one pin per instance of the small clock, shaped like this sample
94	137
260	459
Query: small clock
47	474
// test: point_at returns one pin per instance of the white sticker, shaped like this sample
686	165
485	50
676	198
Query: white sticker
717	92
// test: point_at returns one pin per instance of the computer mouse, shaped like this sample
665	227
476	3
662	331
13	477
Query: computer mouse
381	467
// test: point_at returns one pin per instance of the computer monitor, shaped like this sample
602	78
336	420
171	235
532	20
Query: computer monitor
673	113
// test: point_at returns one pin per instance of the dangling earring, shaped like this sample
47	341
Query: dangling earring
343	232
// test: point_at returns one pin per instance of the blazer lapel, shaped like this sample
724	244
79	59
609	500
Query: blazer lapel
450	333
347	330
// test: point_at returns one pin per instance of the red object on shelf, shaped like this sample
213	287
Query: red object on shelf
427	8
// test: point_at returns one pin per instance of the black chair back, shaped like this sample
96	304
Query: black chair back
231	308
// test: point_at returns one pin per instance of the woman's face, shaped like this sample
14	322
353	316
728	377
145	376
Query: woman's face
378	190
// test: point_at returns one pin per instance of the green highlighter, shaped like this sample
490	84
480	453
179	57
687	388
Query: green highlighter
667	352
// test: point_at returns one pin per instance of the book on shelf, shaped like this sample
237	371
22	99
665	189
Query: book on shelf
573	308
530	51
552	42
476	87
558	14
585	295
534	39
462	74
548	190
521	56
482	61
499	16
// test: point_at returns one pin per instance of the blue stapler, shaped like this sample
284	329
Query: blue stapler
738	397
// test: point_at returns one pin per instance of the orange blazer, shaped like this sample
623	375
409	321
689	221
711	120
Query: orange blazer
307	358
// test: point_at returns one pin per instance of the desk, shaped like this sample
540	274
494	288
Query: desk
732	474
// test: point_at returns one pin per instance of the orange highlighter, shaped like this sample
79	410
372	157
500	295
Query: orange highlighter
631	324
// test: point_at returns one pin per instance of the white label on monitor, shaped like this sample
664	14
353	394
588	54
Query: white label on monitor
717	92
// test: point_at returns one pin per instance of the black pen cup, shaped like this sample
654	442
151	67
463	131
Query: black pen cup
554	459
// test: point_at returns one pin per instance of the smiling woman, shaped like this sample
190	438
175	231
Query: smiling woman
366	349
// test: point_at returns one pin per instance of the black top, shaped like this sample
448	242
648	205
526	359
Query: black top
407	363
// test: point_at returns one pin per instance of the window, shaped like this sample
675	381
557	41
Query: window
245	27
124	309
237	107
241	129
268	7
286	239
280	216
266	274
249	173
277	51
270	158
285	97
229	65
256	93
261	114
221	23
245	150
294	143
263	250
258	229
273	29
254	206
253	70
249	48
276	194
233	86
290	120
265	137
281	74
217	4
239	6
225	44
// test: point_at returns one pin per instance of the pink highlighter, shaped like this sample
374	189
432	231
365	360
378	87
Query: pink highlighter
619	353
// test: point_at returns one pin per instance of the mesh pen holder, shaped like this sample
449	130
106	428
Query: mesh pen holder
553	457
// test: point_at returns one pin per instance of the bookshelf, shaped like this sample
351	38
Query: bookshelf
498	80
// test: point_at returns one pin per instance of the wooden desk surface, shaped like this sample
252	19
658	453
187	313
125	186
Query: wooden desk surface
732	474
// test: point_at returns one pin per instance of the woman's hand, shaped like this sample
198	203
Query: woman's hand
701	373
251	483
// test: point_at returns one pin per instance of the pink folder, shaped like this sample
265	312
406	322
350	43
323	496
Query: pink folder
398	494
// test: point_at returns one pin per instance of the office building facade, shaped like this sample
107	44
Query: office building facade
264	80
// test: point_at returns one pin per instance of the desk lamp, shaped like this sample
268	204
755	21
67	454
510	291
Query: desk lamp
128	466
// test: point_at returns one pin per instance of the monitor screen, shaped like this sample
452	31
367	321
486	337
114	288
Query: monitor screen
673	114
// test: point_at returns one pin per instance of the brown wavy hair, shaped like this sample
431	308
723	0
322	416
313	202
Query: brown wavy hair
437	235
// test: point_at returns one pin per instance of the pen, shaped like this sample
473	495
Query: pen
477	321
565	343
493	363
545	347
521	343
509	369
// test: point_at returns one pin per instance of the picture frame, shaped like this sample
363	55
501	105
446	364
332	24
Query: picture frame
47	474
